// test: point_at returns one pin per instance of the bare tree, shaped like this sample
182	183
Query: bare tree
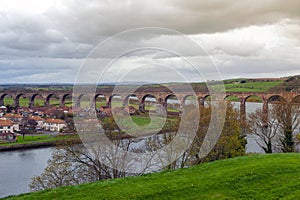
265	130
287	115
278	131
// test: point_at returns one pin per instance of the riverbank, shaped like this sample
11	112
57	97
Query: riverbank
272	176
38	141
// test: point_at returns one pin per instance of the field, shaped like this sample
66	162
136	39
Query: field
37	102
274	176
251	86
38	138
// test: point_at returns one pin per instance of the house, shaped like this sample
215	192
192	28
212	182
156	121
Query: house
6	126
51	124
39	121
13	117
11	137
3	110
24	110
16	126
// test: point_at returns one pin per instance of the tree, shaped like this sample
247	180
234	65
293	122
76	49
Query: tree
231	142
73	164
287	115
278	131
265	130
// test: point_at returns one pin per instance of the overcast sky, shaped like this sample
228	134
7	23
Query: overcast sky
48	41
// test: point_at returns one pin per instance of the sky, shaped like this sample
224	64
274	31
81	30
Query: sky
50	41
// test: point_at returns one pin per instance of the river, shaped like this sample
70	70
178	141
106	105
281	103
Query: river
18	167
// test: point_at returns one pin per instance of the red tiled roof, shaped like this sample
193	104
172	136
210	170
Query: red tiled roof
36	118
11	115
5	122
56	121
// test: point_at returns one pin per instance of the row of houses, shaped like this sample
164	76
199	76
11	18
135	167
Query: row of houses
14	123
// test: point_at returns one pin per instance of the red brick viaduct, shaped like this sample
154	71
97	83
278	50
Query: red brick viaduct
160	96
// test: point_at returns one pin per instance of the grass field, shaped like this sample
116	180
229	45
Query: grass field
38	138
37	102
251	86
264	177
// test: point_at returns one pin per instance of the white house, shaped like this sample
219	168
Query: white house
40	121
16	126
54	124
6	126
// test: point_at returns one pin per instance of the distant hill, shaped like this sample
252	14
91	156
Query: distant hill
291	83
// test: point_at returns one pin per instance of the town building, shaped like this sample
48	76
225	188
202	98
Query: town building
6	126
51	124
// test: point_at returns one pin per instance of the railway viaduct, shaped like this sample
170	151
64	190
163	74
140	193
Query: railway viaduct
160	96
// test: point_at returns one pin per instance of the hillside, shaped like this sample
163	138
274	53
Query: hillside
252	177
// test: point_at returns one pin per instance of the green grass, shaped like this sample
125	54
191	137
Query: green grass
251	86
38	138
37	102
275	176
139	123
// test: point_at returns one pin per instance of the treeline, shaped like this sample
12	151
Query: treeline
292	84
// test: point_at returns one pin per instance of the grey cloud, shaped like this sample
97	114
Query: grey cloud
56	41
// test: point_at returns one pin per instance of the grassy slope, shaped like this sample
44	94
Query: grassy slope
253	177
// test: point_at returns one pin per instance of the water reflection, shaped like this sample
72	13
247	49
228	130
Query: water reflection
18	167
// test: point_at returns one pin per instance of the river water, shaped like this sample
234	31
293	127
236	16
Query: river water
18	167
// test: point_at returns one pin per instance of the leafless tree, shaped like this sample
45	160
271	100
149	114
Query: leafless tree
287	115
265	130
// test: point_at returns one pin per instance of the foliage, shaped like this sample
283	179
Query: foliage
292	84
231	142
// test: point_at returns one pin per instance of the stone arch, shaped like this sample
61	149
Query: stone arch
114	96
48	97
296	100
254	98
126	100
2	96
33	98
170	96
206	99
175	106
252	103
99	103
148	105
17	100
276	98
78	99
64	98
232	97
146	96
185	98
